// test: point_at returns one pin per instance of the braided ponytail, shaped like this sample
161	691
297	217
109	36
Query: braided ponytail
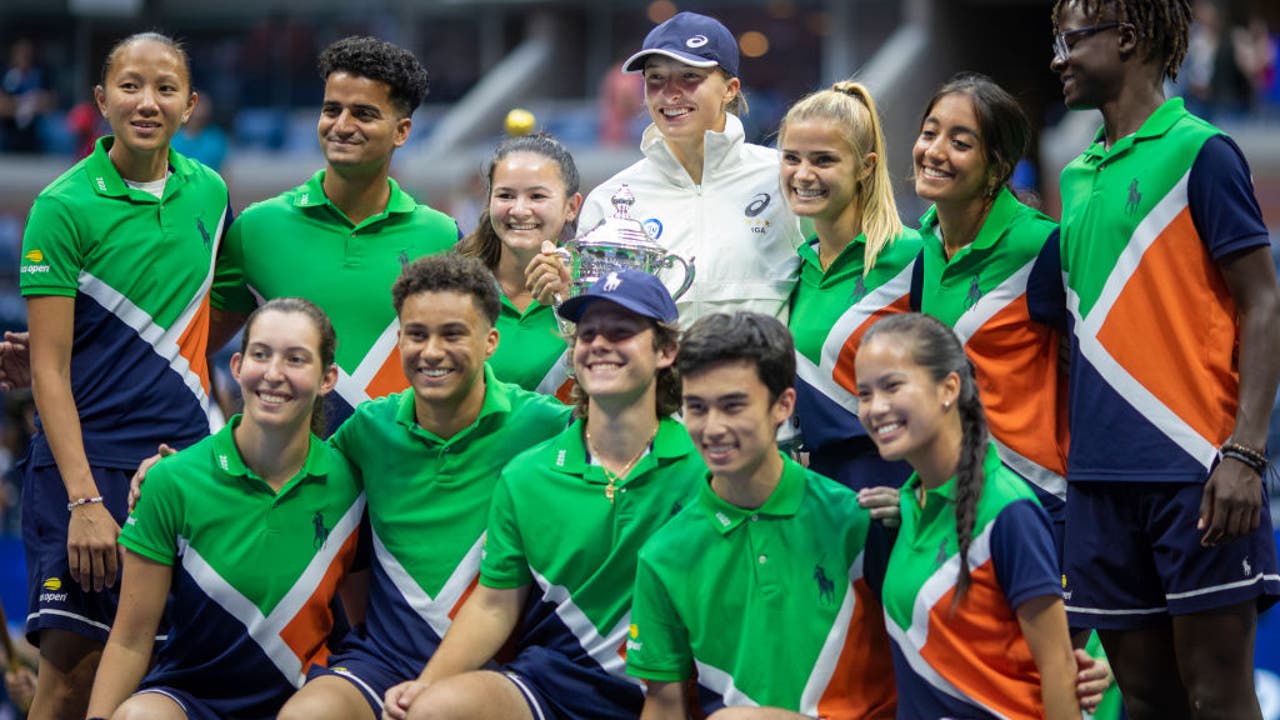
935	347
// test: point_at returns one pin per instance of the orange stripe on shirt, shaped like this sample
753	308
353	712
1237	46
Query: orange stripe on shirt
307	632
1022	391
194	341
1177	299
862	685
979	648
843	372
390	377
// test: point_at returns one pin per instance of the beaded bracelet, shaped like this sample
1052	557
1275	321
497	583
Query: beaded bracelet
1258	455
1253	463
83	501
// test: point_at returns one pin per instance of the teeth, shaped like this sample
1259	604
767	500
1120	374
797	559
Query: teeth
675	112
808	193
522	227
604	366
271	399
887	428
436	372
934	173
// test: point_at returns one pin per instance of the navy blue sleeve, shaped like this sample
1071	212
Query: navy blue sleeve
917	283
1046	295
1223	207
875	555
1022	550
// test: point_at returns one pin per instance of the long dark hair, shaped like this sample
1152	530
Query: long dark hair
483	242
935	347
328	341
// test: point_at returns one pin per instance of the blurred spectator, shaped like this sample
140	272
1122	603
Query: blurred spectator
278	63
85	123
201	138
19	426
24	97
621	103
1218	83
1256	54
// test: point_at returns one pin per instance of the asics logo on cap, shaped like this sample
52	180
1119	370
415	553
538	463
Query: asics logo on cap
696	41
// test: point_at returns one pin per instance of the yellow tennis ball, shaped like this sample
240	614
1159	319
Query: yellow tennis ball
519	122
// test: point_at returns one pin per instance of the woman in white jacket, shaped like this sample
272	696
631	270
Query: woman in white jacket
701	191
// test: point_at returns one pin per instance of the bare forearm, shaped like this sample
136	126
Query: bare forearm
483	624
1259	371
122	667
61	422
664	701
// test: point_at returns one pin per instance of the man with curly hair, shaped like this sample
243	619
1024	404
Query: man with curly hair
343	236
1172	298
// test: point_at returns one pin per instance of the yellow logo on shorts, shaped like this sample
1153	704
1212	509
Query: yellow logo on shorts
35	256
1064	581
53	584
635	631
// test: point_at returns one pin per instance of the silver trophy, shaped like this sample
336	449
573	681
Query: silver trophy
619	242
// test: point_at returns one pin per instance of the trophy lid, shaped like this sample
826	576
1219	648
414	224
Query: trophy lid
621	230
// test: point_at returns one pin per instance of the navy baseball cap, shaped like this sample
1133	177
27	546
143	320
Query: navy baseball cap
635	290
692	39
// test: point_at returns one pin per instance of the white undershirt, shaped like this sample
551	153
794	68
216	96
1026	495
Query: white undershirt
155	187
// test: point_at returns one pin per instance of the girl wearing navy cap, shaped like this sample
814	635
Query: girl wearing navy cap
701	190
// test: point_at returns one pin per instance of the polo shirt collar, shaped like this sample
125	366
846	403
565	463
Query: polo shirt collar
311	194
1159	123
784	501
105	178
497	399
853	253
1001	214
228	458
572	455
946	492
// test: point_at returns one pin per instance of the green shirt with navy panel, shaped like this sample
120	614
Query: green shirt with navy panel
139	269
768	606
255	568
428	501
552	524
299	244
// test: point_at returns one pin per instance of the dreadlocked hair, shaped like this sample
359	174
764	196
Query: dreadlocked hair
1163	26
935	347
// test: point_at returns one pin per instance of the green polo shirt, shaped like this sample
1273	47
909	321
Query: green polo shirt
255	569
762	602
531	350
551	523
299	244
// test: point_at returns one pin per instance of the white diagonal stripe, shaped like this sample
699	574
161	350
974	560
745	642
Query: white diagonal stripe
721	683
163	342
1034	473
265	630
556	375
601	648
825	665
353	387
1087	329
912	640
433	611
995	300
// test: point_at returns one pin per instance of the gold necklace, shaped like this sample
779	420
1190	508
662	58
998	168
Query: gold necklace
609	475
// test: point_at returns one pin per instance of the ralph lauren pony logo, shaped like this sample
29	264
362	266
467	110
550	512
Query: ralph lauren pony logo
203	232
826	588
322	532
1135	198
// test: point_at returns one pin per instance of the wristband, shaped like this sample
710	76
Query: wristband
1253	463
83	501
1258	455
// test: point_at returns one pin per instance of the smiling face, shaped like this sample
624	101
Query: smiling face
444	341
949	156
145	97
359	126
903	408
819	171
732	420
280	371
529	203
1092	70
686	101
614	358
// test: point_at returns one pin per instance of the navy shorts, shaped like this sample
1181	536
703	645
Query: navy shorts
54	599
1133	557
195	709
358	662
558	688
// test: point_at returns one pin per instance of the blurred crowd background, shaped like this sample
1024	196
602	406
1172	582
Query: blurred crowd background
254	66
